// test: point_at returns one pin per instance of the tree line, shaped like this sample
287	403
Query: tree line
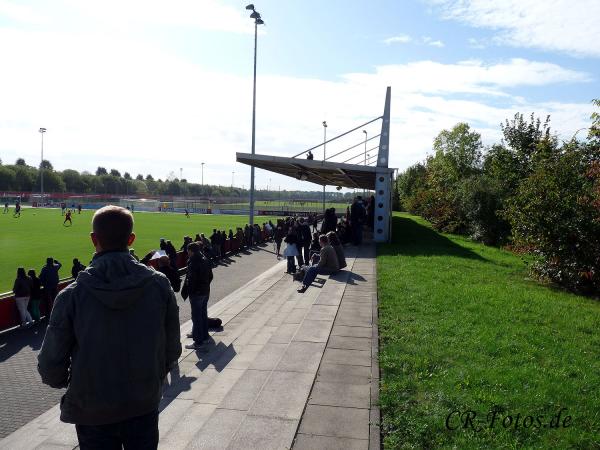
532	192
21	177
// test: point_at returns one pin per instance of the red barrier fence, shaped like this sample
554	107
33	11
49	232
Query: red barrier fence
9	315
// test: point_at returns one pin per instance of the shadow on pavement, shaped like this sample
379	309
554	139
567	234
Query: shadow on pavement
12	342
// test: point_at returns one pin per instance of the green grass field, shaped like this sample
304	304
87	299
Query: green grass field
39	233
464	329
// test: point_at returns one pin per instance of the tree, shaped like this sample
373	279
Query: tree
46	165
101	171
530	141
115	173
20	162
149	177
127	176
7	178
73	181
140	177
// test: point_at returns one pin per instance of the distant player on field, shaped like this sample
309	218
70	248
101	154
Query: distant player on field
5	207
68	217
187	214
17	210
79	209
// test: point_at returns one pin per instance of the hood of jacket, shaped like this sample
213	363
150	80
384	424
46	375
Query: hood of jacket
115	279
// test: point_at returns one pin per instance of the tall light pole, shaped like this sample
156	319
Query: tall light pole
232	177
324	154
42	131
202	173
257	21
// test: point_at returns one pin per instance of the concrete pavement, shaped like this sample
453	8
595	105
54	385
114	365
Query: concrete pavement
288	370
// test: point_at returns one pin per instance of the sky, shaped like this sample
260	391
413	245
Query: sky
155	86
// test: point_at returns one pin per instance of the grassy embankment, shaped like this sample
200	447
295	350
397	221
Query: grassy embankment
463	329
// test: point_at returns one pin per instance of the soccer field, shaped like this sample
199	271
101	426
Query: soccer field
39	233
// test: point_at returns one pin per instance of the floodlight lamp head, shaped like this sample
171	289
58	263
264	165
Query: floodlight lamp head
42	130
325	124
365	131
250	7
255	15
259	21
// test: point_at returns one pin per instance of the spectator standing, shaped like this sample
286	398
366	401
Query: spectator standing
197	287
49	279
328	264
22	291
278	238
36	295
304	242
113	337
357	219
77	267
291	250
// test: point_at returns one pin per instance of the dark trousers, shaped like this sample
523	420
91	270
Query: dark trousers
199	305
291	265
357	234
311	274
137	433
50	294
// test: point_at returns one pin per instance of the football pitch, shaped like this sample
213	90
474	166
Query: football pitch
39	233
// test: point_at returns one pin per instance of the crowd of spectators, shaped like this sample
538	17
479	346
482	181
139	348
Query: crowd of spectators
302	237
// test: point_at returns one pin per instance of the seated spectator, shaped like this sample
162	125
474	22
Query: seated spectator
337	246
77	267
327	265
315	246
172	275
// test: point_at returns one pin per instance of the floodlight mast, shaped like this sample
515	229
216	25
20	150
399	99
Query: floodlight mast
42	131
257	21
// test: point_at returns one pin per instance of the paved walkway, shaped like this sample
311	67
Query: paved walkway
288	370
23	397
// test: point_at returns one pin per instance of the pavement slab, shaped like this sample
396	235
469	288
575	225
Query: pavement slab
287	370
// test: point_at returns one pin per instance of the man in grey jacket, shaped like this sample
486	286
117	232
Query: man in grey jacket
112	338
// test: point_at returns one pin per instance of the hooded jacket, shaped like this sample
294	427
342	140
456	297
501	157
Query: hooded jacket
112	338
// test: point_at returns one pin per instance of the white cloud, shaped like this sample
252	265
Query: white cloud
122	104
434	43
401	39
557	25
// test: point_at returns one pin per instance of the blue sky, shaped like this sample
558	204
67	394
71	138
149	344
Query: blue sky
152	86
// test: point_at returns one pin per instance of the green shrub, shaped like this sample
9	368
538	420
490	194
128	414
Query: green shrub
555	213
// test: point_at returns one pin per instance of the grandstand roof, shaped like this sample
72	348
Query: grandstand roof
315	171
